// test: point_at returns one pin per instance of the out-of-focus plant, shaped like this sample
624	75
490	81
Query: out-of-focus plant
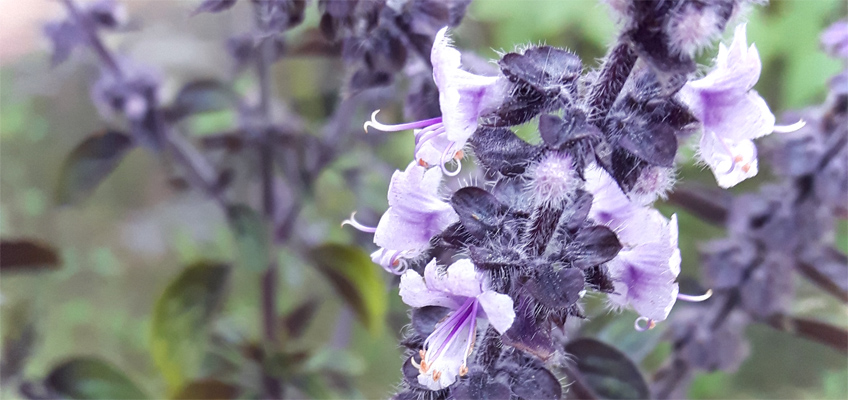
496	271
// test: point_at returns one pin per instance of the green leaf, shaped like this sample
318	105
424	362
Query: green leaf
605	371
89	164
207	389
201	96
357	279
24	255
181	318
91	378
252	237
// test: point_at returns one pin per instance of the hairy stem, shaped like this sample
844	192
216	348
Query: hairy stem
610	81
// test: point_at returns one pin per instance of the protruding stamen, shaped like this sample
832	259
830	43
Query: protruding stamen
695	299
444	160
790	128
463	370
398	127
649	324
358	226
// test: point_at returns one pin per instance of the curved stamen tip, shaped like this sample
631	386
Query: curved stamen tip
649	324
373	122
358	226
789	128
695	299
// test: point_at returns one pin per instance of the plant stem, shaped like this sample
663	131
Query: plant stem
93	40
610	81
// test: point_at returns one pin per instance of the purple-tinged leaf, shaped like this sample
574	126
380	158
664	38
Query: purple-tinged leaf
528	333
298	319
499	149
480	386
479	211
556	287
595	245
536	383
91	378
605	371
89	164
27	255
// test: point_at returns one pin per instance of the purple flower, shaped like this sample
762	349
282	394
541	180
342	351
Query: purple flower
645	270
731	112
835	39
463	97
416	213
465	291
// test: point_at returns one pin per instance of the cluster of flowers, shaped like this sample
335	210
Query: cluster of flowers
787	226
566	215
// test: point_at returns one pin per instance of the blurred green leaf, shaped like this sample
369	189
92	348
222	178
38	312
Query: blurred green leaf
207	389
91	378
27	255
181	317
357	279
252	237
202	96
18	339
605	371
89	164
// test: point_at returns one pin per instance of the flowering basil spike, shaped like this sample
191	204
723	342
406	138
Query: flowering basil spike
732	113
645	270
463	98
466	292
416	212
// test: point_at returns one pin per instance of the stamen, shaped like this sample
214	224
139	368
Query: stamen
399	127
789	128
436	375
358	226
649	324
443	160
695	299
463	370
426	134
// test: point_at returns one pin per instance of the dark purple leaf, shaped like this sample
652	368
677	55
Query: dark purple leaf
557	132
595	245
298	319
556	287
528	333
208	389
479	211
536	383
655	144
91	378
89	164
479	386
499	149
424	319
542	66
26	255
605	371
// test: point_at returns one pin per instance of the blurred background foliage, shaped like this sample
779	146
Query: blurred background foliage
124	249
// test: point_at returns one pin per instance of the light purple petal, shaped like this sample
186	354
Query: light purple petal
463	96
498	309
448	347
731	162
415	293
643	280
736	115
460	279
835	39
